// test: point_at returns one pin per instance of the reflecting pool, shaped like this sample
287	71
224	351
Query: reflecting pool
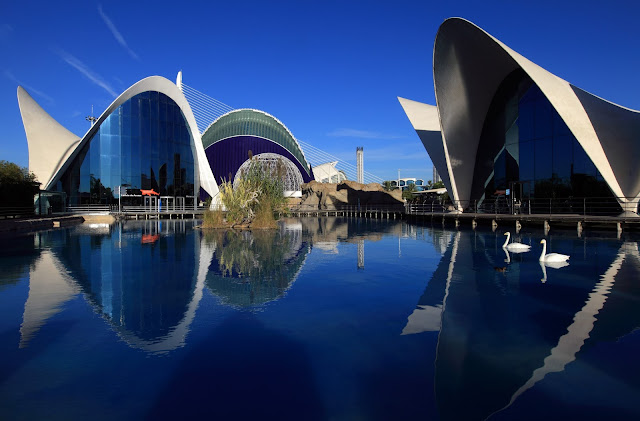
325	318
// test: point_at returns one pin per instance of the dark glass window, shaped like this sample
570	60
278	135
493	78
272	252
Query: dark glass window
529	144
145	143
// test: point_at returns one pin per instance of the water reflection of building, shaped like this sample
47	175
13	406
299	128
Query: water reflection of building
502	332
326	233
427	315
252	268
150	306
50	287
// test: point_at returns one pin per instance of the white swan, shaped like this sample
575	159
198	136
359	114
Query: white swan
551	257
515	247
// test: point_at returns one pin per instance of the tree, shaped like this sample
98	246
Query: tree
388	186
11	173
17	187
431	185
409	192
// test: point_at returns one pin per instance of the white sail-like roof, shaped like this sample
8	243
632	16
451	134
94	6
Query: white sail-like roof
50	144
469	66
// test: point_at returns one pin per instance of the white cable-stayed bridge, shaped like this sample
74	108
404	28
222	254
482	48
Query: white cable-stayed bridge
207	109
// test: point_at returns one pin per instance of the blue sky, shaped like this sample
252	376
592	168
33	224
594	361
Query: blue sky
330	71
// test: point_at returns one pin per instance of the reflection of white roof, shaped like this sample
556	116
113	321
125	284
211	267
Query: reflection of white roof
423	319
49	289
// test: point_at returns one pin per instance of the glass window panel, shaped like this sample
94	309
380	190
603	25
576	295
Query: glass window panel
126	124
543	119
154	130
135	107
543	159
562	156
527	160
94	151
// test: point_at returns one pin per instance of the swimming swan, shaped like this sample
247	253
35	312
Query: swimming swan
551	257
514	247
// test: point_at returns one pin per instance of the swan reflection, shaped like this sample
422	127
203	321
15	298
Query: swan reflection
554	265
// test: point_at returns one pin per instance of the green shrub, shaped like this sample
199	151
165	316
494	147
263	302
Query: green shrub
258	193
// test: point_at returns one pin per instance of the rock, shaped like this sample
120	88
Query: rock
348	193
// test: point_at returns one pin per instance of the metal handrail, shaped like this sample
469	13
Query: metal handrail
16	211
582	206
347	208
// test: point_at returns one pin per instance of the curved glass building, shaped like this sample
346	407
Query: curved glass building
507	134
234	136
144	144
146	140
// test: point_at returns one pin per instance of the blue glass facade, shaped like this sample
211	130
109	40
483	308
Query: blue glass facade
527	148
145	143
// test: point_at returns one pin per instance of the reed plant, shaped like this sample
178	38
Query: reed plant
253	200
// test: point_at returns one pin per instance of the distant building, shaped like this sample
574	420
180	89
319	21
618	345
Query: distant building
328	173
436	177
404	183
360	164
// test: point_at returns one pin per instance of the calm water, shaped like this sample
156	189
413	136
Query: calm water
325	319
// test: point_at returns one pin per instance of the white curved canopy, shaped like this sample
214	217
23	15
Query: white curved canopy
469	66
50	144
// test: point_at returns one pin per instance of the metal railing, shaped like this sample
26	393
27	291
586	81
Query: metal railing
164	209
584	206
16	211
346	208
89	209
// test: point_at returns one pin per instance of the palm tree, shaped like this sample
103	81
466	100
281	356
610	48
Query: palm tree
409	192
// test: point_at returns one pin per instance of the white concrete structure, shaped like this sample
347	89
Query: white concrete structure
360	163
328	173
469	67
50	144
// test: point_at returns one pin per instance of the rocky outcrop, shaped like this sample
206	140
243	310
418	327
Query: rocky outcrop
348	193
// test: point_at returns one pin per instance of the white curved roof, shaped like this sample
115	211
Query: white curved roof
297	143
33	125
46	138
469	66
